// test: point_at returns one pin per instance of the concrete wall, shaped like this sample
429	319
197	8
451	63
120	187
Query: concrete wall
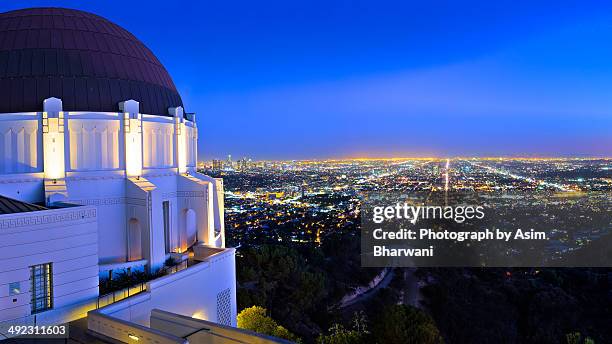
104	326
21	165
199	331
158	142
168	327
218	209
20	143
198	291
192	144
94	144
28	187
197	195
68	239
107	192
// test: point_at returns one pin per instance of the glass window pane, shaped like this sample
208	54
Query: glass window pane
42	291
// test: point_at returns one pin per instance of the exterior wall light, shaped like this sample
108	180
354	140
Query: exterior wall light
53	145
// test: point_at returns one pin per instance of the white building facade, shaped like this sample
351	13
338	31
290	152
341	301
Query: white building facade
96	192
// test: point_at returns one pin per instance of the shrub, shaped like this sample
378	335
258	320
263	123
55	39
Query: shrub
255	319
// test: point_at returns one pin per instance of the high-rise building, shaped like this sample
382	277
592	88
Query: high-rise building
98	178
244	164
217	165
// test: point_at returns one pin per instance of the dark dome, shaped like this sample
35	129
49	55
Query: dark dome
85	60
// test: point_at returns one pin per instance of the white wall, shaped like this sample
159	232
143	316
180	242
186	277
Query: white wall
27	187
217	208
158	144
122	331
94	144
192	145
20	143
67	238
190	292
197	195
107	193
21	165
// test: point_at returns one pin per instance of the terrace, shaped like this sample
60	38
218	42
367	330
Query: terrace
134	283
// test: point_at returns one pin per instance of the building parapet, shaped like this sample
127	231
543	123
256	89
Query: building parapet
106	327
198	331
177	291
48	216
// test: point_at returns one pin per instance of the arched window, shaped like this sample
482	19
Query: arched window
134	240
190	226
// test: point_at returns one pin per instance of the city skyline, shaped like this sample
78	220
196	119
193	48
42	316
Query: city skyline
236	159
387	79
320	204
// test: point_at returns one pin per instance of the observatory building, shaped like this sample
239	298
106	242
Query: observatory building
102	211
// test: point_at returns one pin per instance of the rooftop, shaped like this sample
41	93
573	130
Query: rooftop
88	62
12	206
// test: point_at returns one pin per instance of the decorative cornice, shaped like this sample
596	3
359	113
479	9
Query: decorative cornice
148	172
169	194
97	177
191	194
21	180
135	201
43	217
110	201
99	201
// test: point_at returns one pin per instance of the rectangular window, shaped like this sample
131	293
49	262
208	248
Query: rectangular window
42	287
166	210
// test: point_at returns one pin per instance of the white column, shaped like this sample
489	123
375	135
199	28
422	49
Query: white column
195	141
132	128
180	138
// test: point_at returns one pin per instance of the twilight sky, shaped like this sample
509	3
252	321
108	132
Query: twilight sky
321	79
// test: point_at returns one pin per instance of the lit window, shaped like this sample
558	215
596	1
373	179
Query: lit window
42	288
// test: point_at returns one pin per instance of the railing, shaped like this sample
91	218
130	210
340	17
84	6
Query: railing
112	297
168	270
115	296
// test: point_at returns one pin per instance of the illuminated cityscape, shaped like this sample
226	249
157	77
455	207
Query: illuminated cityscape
313	207
267	195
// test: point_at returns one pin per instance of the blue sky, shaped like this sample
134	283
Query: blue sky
320	79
